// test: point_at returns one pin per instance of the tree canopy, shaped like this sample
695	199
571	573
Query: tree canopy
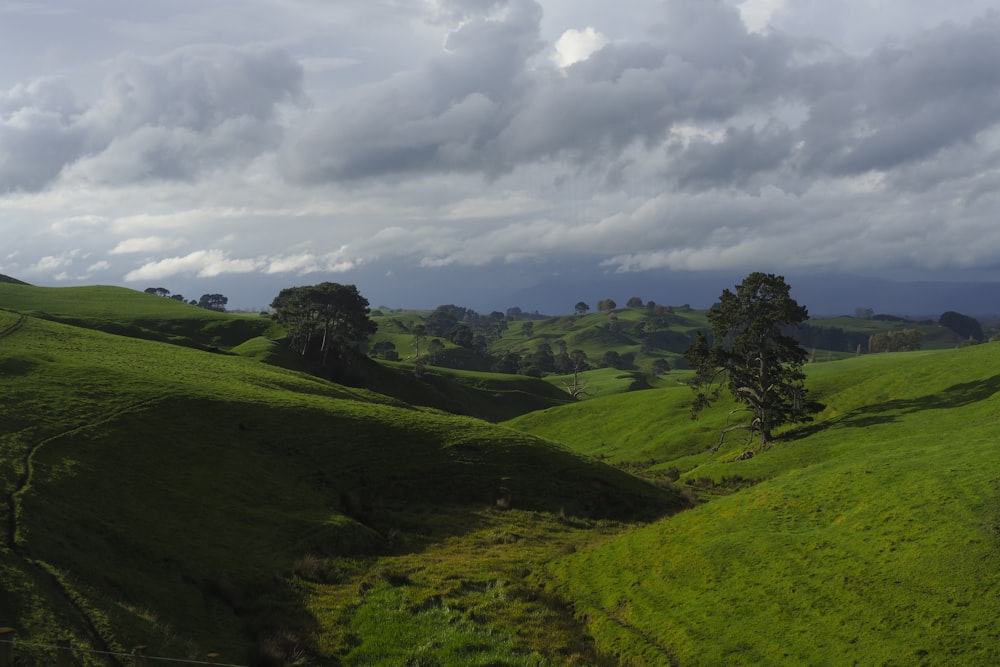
328	317
751	356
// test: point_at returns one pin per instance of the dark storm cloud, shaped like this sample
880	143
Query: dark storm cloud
486	106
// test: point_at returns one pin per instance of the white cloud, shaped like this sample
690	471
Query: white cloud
202	263
577	45
148	244
757	14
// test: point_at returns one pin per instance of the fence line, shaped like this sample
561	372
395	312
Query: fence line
139	658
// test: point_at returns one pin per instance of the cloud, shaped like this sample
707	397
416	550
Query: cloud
576	45
202	263
167	118
147	244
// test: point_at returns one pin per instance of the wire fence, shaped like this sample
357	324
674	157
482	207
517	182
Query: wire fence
16	653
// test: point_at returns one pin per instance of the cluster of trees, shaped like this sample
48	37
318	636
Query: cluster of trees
963	326
215	302
325	321
828	338
904	340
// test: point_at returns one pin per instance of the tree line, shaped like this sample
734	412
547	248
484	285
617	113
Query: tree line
216	302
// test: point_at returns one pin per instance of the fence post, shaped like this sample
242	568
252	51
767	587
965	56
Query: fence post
140	656
64	654
6	647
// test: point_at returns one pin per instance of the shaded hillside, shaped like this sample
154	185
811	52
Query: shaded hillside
161	495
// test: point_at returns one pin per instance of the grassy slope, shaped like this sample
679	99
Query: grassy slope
871	539
137	314
163	495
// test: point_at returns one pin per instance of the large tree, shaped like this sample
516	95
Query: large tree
328	317
751	356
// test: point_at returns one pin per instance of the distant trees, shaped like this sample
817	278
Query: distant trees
581	308
611	359
215	302
328	317
749	355
905	340
660	367
605	305
635	302
385	349
962	325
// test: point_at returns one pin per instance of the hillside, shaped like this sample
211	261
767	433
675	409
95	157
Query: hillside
162	495
646	341
170	477
871	538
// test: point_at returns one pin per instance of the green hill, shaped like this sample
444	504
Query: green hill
870	539
170	478
162	495
130	313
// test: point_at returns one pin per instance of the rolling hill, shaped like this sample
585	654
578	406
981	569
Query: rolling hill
164	495
170	477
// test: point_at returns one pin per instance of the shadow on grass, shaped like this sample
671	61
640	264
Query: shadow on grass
955	396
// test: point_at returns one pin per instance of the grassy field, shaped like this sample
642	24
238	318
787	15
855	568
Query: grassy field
872	538
162	495
168	477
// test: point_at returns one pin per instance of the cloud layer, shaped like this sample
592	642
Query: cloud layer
688	134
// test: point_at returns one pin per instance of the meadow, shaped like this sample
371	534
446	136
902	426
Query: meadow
173	477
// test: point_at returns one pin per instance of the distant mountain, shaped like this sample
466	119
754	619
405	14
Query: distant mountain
824	294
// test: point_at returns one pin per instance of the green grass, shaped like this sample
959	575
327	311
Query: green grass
127	312
162	495
872	539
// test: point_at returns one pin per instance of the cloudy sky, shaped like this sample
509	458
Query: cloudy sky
411	145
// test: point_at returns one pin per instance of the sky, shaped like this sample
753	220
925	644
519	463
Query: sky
430	150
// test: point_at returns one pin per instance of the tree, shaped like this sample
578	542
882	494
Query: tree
749	355
581	308
611	359
963	325
330	315
435	350
660	367
213	302
579	361
606	305
528	329
385	349
635	302
158	291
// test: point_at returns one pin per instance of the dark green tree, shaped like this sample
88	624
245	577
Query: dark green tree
749	355
963	325
385	349
328	317
213	302
581	308
435	350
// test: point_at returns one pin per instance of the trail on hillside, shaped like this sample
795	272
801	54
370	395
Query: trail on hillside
15	325
14	497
